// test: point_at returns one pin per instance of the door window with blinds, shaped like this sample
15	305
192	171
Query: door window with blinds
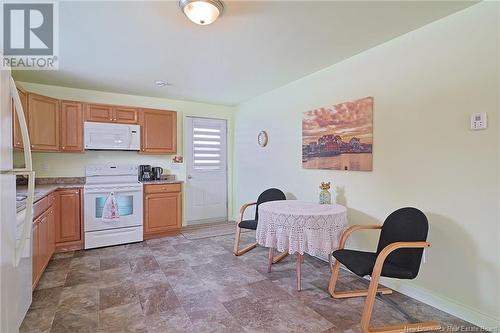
206	158
208	147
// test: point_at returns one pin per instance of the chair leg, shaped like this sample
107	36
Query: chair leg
270	259
402	328
279	257
349	293
237	251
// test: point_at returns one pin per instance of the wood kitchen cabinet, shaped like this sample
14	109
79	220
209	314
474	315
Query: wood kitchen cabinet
68	221
111	114
56	125
125	115
43	237
57	225
162	210
99	112
71	126
158	131
43	123
35	243
17	138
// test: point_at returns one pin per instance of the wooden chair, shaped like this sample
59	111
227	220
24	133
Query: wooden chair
399	252
271	194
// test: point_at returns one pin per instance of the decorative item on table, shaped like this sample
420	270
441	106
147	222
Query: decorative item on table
339	137
325	197
178	159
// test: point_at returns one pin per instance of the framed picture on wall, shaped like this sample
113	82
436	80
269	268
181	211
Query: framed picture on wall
339	137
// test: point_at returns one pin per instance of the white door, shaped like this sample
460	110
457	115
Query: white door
206	159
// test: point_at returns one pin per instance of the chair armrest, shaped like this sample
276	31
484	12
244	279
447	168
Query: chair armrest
244	207
350	230
377	269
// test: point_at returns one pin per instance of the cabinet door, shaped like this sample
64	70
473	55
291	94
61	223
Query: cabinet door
17	138
51	226
43	240
43	115
68	222
162	212
71	126
99	112
36	253
159	131
125	115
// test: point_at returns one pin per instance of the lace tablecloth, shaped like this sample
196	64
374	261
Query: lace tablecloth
303	227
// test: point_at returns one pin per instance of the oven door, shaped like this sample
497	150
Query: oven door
129	200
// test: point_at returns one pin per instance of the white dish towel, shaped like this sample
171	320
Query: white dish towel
110	209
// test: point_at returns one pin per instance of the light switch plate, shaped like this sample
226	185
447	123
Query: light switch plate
478	121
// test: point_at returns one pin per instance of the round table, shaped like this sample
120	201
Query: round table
293	226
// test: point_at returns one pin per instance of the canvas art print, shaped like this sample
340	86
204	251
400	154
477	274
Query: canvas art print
339	137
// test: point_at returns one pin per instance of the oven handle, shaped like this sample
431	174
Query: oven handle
100	191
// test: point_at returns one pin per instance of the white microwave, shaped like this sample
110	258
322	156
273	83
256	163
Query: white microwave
107	136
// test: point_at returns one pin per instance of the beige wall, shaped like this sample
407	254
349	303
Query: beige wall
73	165
425	85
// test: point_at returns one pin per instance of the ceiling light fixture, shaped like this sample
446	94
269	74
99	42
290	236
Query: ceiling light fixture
202	12
161	83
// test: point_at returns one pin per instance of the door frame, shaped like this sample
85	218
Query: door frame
187	159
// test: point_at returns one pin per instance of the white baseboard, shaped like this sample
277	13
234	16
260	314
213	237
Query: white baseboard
442	303
445	304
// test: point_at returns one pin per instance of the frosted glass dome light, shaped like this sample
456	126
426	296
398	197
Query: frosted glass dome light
202	12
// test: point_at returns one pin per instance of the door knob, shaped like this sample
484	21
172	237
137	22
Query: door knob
190	177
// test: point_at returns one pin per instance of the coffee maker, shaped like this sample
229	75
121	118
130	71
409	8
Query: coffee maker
145	173
157	172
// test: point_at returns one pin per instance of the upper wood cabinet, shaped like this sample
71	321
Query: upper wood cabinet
43	115
158	131
56	125
68	220
99	112
71	126
125	115
111	114
17	138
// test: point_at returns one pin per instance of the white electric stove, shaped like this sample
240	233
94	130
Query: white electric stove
122	180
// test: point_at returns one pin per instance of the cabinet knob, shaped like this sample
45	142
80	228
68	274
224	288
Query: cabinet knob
32	146
63	147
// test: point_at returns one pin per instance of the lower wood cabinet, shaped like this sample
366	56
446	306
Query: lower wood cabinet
35	243
43	243
68	219
162	210
57	226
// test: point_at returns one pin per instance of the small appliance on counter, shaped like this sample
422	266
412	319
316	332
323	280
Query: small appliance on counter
145	173
157	172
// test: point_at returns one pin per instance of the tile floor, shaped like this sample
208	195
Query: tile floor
178	285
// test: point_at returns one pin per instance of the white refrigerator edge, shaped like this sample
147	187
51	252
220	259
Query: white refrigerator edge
15	228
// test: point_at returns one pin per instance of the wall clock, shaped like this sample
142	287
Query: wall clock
262	138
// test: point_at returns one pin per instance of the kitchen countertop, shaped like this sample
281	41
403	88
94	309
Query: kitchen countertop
41	190
45	186
162	181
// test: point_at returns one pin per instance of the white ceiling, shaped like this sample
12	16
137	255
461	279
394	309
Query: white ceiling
254	47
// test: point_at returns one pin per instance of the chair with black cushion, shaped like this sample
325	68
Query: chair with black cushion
271	194
399	252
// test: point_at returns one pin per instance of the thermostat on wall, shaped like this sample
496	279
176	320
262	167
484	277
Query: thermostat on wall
478	121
